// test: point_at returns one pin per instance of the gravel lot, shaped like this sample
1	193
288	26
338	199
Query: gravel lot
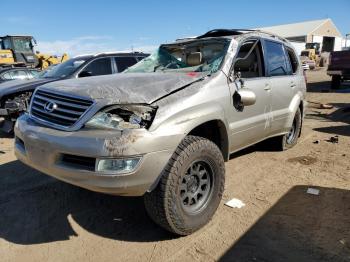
42	219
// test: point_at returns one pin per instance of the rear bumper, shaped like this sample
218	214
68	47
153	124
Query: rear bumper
42	149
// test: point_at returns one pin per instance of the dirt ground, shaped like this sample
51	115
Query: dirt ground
42	219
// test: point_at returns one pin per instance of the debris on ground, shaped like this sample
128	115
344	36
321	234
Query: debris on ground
320	105
326	106
333	139
316	142
235	203
313	191
304	160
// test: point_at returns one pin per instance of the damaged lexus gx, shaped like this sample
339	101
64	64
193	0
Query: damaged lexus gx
164	128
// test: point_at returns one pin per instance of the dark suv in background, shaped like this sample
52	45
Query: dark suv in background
15	95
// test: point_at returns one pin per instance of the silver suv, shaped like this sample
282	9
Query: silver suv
165	127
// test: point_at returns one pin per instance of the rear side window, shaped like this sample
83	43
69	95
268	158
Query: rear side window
292	59
123	62
276	59
99	67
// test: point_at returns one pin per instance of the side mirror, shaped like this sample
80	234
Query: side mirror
243	97
85	74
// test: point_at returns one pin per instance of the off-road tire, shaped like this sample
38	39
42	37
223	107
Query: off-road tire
164	204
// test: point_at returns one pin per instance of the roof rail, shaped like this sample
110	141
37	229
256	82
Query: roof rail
224	32
271	34
231	32
119	52
83	55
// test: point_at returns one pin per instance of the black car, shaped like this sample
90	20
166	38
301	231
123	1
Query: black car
15	95
13	73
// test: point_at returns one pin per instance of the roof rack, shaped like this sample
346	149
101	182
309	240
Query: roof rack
231	32
224	32
119	52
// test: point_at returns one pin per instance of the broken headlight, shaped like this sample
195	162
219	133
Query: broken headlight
123	117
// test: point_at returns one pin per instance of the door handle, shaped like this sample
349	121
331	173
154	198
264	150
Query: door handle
267	87
292	84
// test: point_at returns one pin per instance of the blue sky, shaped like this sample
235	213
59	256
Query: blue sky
93	26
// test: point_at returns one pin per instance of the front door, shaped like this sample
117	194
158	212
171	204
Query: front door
251	124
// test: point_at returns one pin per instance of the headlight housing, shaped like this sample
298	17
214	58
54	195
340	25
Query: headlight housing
123	117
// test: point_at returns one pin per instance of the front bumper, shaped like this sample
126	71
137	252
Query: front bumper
42	148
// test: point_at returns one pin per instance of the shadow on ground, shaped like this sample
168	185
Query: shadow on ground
340	114
34	209
299	227
325	87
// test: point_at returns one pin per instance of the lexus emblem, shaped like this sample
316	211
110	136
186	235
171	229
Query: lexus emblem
50	106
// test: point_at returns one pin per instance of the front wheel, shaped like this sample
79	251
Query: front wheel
190	188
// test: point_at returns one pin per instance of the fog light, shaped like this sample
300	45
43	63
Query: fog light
117	166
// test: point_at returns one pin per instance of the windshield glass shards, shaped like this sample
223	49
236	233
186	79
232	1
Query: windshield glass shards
192	56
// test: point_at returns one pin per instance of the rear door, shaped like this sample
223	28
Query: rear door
283	83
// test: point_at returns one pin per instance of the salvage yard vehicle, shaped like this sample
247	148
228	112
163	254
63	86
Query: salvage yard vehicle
164	127
339	67
13	73
18	50
15	95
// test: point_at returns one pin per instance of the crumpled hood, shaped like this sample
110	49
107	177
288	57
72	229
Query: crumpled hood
13	86
126	87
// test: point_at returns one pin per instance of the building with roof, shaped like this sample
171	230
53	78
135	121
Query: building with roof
322	31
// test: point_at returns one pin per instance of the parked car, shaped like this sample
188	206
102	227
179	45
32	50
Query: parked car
339	67
12	73
165	127
15	95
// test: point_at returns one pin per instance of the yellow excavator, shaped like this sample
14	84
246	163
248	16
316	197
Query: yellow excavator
312	53
16	50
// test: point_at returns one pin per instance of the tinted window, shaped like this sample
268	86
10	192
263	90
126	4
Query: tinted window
7	76
276	59
124	62
293	60
140	57
99	67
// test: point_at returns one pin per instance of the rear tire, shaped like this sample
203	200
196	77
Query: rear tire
336	80
290	139
190	188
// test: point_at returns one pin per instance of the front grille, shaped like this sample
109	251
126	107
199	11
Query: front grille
80	162
58	109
